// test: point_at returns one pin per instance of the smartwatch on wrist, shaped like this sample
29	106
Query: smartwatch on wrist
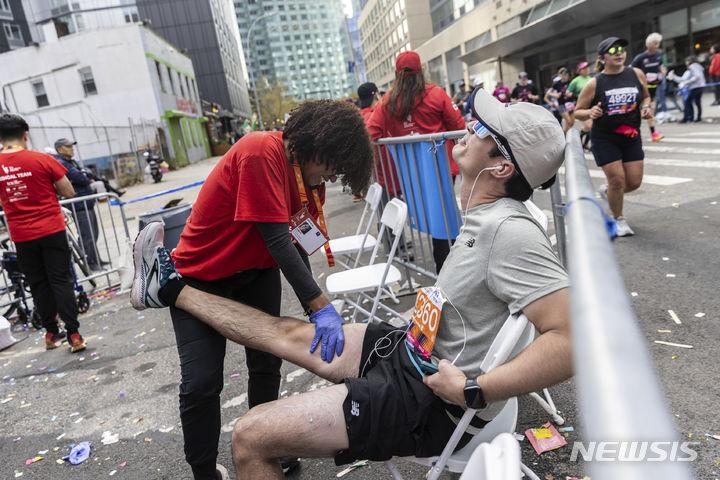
474	397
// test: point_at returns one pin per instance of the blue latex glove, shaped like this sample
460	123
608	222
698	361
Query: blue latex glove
79	453
328	327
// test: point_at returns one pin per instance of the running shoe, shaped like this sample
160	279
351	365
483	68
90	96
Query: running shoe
623	229
657	136
153	267
52	340
77	343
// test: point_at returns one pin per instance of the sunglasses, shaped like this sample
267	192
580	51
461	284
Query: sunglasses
614	50
481	131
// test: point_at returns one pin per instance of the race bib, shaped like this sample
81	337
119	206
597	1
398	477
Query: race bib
621	101
425	321
306	232
653	78
569	106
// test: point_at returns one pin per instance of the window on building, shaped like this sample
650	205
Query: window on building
88	82
189	90
40	95
12	32
182	87
5	5
64	25
172	82
160	77
79	22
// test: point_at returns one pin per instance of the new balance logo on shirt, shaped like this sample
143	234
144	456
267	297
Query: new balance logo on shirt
470	242
354	408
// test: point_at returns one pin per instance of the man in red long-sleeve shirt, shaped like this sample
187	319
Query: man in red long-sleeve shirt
715	71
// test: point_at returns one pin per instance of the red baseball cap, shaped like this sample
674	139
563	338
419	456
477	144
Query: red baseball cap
408	63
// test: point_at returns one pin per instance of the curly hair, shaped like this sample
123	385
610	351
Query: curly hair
404	94
333	132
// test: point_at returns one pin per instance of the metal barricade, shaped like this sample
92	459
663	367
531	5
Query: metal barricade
416	169
97	234
619	405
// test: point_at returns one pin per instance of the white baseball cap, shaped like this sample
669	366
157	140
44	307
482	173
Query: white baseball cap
531	135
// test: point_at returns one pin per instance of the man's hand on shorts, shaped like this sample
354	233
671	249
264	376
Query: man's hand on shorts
328	328
448	383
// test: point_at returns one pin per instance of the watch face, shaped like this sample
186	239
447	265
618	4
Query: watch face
474	397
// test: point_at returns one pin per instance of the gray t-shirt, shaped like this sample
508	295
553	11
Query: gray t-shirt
501	262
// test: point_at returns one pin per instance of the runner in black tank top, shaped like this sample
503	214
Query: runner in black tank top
616	100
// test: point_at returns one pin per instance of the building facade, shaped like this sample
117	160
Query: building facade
492	40
207	31
387	28
358	66
14	32
117	91
304	46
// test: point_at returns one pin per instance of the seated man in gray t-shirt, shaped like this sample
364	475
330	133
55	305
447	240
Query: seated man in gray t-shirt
384	404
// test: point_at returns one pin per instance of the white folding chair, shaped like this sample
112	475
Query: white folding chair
375	277
362	241
497	460
514	336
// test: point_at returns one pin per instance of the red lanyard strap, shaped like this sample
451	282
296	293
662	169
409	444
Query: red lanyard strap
318	206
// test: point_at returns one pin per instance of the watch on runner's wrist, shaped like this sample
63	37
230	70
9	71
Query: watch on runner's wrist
474	397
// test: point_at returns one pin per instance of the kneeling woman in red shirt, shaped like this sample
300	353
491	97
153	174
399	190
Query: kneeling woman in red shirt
236	239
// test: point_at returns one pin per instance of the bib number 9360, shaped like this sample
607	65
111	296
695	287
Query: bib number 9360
425	320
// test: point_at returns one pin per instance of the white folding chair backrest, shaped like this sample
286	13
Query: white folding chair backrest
537	214
515	334
393	218
497	460
373	196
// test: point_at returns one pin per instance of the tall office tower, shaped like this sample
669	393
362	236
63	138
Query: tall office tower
305	45
207	31
14	33
354	31
387	28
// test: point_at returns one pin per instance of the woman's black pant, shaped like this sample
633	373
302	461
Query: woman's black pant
202	352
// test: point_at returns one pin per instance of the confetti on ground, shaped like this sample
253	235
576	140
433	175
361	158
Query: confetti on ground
699	315
33	460
234	375
633	294
670	344
664	331
674	316
670	275
139	419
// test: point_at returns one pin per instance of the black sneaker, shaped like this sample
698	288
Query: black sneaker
289	464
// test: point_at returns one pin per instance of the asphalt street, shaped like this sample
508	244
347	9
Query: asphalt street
121	393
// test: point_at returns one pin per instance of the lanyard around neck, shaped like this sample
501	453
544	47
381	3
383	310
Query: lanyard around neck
13	147
318	206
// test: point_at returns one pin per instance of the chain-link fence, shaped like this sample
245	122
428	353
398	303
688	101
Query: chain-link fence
114	152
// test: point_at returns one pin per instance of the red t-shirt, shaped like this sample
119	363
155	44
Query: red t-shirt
253	182
434	113
367	113
28	195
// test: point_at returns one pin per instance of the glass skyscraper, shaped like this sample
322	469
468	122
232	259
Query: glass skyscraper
305	46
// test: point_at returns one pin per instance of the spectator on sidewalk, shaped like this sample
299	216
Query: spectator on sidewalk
28	192
714	72
411	107
83	212
501	92
693	83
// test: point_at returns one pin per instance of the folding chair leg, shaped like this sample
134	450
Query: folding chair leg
528	473
549	407
393	470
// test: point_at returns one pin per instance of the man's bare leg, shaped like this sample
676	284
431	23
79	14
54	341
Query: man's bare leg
284	337
310	425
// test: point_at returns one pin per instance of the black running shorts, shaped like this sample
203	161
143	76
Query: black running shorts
389	411
610	147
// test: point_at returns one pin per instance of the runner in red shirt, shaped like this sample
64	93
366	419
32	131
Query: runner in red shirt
29	185
413	108
236	239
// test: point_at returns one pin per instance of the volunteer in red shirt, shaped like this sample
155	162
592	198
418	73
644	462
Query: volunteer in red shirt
413	108
236	241
29	185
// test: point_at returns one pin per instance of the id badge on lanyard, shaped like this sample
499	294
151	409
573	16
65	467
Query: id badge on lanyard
304	223
306	232
425	321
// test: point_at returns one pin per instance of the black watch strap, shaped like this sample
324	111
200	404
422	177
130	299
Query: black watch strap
474	397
